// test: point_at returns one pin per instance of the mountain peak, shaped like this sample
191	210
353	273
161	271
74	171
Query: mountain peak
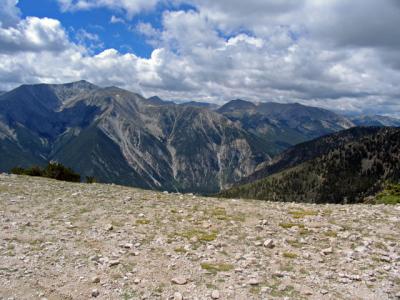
237	104
155	100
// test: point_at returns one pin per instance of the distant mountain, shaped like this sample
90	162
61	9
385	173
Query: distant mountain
347	168
120	137
2	92
284	125
207	105
155	100
237	106
376	121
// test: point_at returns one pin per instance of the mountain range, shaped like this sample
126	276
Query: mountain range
120	137
375	120
346	167
284	125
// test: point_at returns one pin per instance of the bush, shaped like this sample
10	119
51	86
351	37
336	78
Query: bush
34	171
58	171
53	170
90	179
18	171
390	194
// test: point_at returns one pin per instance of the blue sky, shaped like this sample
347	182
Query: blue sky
211	50
122	37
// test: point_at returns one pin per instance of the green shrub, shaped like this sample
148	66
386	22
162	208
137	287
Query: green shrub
90	179
390	195
53	170
18	171
57	171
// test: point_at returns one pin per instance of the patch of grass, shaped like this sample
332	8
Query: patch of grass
255	290
390	195
129	295
304	231
180	250
327	212
288	291
388	200
289	255
211	286
142	222
216	267
221	214
299	214
201	235
330	233
294	243
381	246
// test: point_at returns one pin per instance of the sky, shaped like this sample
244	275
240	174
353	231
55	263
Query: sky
337	54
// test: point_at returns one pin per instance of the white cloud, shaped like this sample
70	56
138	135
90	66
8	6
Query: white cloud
130	7
258	50
34	34
116	20
89	40
9	13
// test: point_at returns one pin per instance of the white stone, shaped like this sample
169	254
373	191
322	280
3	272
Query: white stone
215	294
179	280
269	244
178	296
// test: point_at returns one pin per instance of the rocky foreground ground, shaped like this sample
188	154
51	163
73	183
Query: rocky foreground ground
78	241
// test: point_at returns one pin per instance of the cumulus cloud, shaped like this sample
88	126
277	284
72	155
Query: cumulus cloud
335	54
9	13
33	34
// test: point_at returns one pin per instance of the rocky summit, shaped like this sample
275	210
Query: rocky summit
63	240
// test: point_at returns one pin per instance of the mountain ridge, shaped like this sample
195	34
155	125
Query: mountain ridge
348	172
152	142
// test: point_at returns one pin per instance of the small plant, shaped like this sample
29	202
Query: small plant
390	195
330	233
180	250
142	221
201	235
90	179
289	255
299	214
217	267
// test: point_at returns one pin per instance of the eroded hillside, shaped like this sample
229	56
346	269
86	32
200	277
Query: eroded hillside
77	241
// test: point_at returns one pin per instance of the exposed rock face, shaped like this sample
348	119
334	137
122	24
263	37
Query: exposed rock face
118	136
284	125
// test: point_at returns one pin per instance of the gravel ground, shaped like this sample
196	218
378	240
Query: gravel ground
62	240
